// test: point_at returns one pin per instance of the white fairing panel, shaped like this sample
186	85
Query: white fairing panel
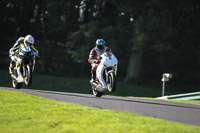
100	70
108	60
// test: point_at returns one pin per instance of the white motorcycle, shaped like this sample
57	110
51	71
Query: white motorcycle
106	74
23	73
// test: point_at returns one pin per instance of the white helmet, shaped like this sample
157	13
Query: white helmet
29	40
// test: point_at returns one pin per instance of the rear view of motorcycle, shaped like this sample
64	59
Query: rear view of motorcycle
106	75
24	66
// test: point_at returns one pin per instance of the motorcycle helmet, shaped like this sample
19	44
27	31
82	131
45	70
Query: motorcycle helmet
100	44
29	40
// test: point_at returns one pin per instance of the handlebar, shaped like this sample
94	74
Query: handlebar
96	61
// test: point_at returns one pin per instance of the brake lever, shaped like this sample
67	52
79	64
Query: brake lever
96	61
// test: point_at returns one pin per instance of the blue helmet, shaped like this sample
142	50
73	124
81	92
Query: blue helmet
100	43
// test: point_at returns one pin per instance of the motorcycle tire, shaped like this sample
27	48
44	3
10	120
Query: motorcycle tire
16	85
112	82
28	77
96	93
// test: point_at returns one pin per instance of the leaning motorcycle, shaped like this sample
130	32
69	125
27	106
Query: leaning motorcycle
106	74
23	71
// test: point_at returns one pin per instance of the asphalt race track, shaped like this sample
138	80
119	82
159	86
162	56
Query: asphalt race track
172	111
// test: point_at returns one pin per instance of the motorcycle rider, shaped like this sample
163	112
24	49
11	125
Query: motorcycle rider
94	56
27	41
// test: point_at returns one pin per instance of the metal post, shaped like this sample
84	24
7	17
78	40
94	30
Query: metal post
163	88
165	78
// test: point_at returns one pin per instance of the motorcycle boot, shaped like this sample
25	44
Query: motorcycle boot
93	76
11	67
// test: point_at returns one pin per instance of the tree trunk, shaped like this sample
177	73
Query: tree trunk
133	70
139	41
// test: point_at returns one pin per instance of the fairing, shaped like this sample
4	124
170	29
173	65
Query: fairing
108	60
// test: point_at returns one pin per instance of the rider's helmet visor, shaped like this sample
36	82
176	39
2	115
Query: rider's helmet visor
28	44
101	47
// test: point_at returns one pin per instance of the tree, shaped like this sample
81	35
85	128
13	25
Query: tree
135	61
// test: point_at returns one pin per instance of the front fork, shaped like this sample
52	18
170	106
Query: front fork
107	73
107	79
31	63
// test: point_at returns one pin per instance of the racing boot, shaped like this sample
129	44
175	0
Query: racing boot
93	76
11	67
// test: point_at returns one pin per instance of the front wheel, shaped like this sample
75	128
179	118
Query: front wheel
28	77
96	93
112	82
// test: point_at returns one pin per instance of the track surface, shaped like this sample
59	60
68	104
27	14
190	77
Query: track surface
172	111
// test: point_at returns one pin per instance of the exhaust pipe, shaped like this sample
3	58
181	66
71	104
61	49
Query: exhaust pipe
19	79
93	84
101	89
98	87
13	76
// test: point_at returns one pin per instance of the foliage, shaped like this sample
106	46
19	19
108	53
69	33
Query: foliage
65	31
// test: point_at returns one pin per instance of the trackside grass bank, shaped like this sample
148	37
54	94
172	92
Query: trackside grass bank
77	85
20	112
82	85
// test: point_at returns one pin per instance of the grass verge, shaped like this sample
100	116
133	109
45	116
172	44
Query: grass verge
81	85
20	112
188	101
78	85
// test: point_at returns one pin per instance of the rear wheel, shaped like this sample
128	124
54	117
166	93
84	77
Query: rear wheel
15	84
28	77
96	92
112	82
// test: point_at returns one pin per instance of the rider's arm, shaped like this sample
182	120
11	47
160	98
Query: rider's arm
36	52
92	55
108	50
18	44
34	49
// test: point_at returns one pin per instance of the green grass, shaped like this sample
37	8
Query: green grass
188	101
82	85
20	112
183	101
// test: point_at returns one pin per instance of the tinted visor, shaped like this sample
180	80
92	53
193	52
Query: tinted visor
101	47
28	43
